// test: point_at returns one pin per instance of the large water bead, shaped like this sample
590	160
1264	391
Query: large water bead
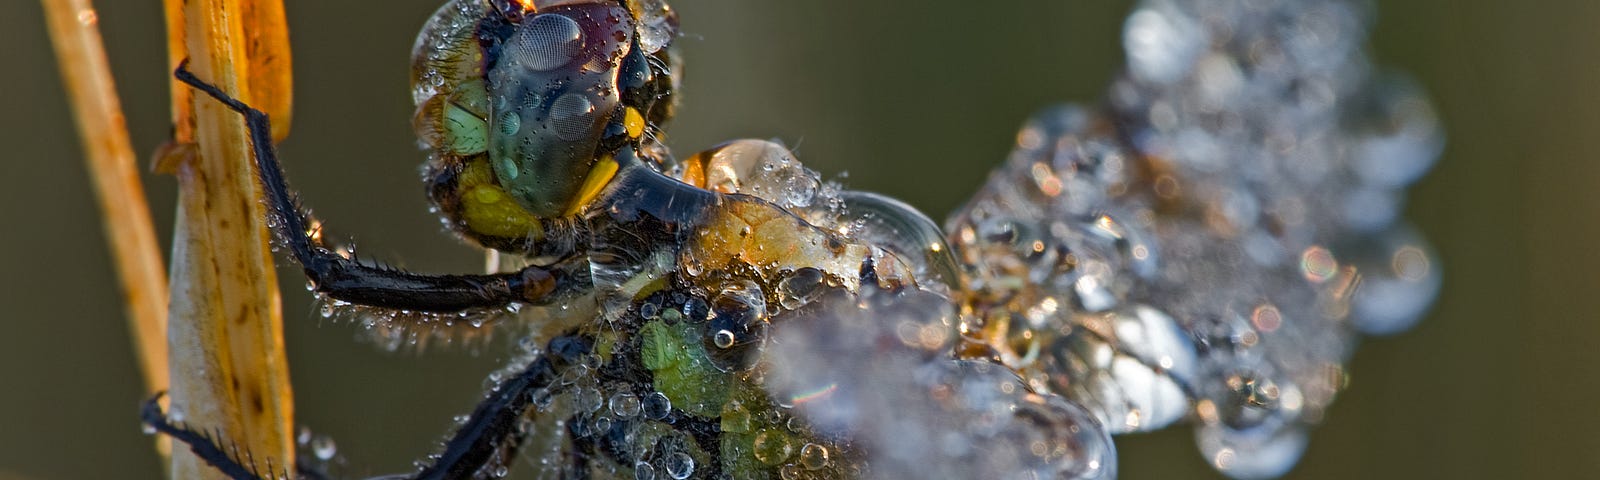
905	231
1064	439
1162	42
1267	451
773	446
1129	367
1248	396
1398	136
759	168
1399	279
800	287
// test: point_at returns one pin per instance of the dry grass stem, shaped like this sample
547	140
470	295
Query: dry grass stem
75	32
228	365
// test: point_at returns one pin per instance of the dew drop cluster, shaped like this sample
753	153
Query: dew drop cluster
1209	245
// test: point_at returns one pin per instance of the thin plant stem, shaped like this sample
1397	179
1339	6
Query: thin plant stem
74	31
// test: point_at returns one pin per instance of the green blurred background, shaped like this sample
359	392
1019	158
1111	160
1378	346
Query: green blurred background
1498	382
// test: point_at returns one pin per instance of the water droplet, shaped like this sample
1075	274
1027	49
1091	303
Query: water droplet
679	465
509	122
571	116
800	288
696	310
656	406
322	446
492	382
724	339
735	418
1161	43
625	405
1399	280
772	446
1251	453
813	456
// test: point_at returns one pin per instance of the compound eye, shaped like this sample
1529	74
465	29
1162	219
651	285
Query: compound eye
552	88
546	42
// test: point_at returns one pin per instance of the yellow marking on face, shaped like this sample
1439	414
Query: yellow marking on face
488	210
634	122
598	177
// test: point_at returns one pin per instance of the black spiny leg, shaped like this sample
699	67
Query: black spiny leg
490	433
494	422
204	445
347	280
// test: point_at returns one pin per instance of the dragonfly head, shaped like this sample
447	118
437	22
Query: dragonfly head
546	90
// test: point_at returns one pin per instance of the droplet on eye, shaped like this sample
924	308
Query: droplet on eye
570	116
546	42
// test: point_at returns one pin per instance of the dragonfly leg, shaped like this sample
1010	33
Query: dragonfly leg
491	433
209	448
345	279
489	438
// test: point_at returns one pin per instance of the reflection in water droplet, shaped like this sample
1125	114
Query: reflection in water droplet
322	446
1251	454
735	418
679	465
724	339
656	406
571	116
545	42
1399	280
625	405
772	446
799	288
1161	43
813	456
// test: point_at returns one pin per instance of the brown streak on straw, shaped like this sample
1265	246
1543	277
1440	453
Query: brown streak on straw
182	95
129	230
267	47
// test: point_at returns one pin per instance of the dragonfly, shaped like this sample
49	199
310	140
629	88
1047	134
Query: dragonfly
1203	247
